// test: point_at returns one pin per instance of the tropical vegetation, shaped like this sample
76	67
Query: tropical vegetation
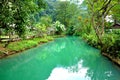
32	21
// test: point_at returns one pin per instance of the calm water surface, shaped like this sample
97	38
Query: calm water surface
68	58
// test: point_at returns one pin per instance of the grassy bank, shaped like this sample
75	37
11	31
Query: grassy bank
19	46
109	47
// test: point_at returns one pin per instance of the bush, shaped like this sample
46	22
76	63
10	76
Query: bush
71	30
40	29
91	39
110	43
60	28
17	46
116	31
108	40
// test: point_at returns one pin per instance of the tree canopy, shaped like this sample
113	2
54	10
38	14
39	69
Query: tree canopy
15	14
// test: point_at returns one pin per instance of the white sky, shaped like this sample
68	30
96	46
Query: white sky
79	1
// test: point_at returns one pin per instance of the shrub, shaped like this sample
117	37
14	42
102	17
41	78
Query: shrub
59	27
91	39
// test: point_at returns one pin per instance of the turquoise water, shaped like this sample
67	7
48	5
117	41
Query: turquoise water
68	58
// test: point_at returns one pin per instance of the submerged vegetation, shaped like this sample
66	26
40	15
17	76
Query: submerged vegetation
26	23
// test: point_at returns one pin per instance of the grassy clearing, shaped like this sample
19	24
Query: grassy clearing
26	44
22	45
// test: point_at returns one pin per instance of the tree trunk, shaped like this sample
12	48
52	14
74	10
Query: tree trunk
96	30
103	25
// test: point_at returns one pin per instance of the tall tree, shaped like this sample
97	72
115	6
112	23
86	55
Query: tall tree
67	13
115	12
15	14
99	9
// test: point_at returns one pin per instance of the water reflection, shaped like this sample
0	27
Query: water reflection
66	58
77	72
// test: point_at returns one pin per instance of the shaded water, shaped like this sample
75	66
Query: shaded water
68	58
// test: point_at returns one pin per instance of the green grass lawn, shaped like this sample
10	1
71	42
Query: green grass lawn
22	45
26	44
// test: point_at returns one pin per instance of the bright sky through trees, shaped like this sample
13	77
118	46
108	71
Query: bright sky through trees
76	1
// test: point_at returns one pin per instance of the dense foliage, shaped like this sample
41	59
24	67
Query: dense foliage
97	32
94	20
15	14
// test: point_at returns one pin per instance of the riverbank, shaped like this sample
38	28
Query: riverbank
113	59
22	45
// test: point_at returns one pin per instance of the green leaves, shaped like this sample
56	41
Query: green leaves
18	13
59	27
46	20
66	13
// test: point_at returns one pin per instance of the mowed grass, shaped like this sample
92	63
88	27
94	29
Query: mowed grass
26	44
